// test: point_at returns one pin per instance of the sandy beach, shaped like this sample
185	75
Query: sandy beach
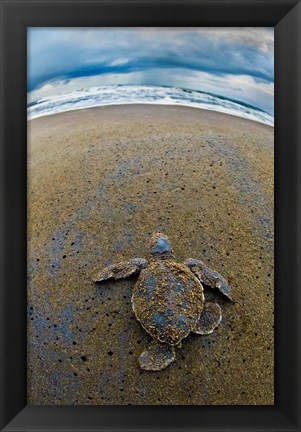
100	181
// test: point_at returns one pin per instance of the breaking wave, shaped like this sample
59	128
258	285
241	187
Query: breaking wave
135	94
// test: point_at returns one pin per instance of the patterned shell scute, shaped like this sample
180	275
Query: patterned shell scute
167	300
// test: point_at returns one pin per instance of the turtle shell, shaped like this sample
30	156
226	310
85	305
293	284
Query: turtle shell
167	300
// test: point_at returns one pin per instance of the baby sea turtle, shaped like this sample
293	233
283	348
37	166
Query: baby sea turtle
168	299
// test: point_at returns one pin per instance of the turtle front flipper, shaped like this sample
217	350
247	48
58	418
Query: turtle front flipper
157	356
210	318
122	269
208	276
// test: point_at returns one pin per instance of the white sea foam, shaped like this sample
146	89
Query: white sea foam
135	94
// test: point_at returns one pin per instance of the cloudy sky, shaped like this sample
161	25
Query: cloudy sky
233	62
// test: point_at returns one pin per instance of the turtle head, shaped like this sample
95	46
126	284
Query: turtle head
160	246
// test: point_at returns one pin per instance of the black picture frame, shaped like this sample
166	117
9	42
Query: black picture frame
16	16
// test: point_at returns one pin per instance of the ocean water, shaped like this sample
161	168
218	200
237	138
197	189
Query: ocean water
135	94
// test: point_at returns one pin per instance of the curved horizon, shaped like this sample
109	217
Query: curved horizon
235	63
149	95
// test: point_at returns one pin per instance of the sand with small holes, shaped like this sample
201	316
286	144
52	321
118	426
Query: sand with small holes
100	181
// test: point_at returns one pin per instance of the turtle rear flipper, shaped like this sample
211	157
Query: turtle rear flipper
208	276
157	356
210	318
122	269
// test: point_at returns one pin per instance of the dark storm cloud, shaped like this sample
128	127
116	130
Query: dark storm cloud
69	53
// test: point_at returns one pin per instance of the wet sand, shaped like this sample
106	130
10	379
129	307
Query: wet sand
100	181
